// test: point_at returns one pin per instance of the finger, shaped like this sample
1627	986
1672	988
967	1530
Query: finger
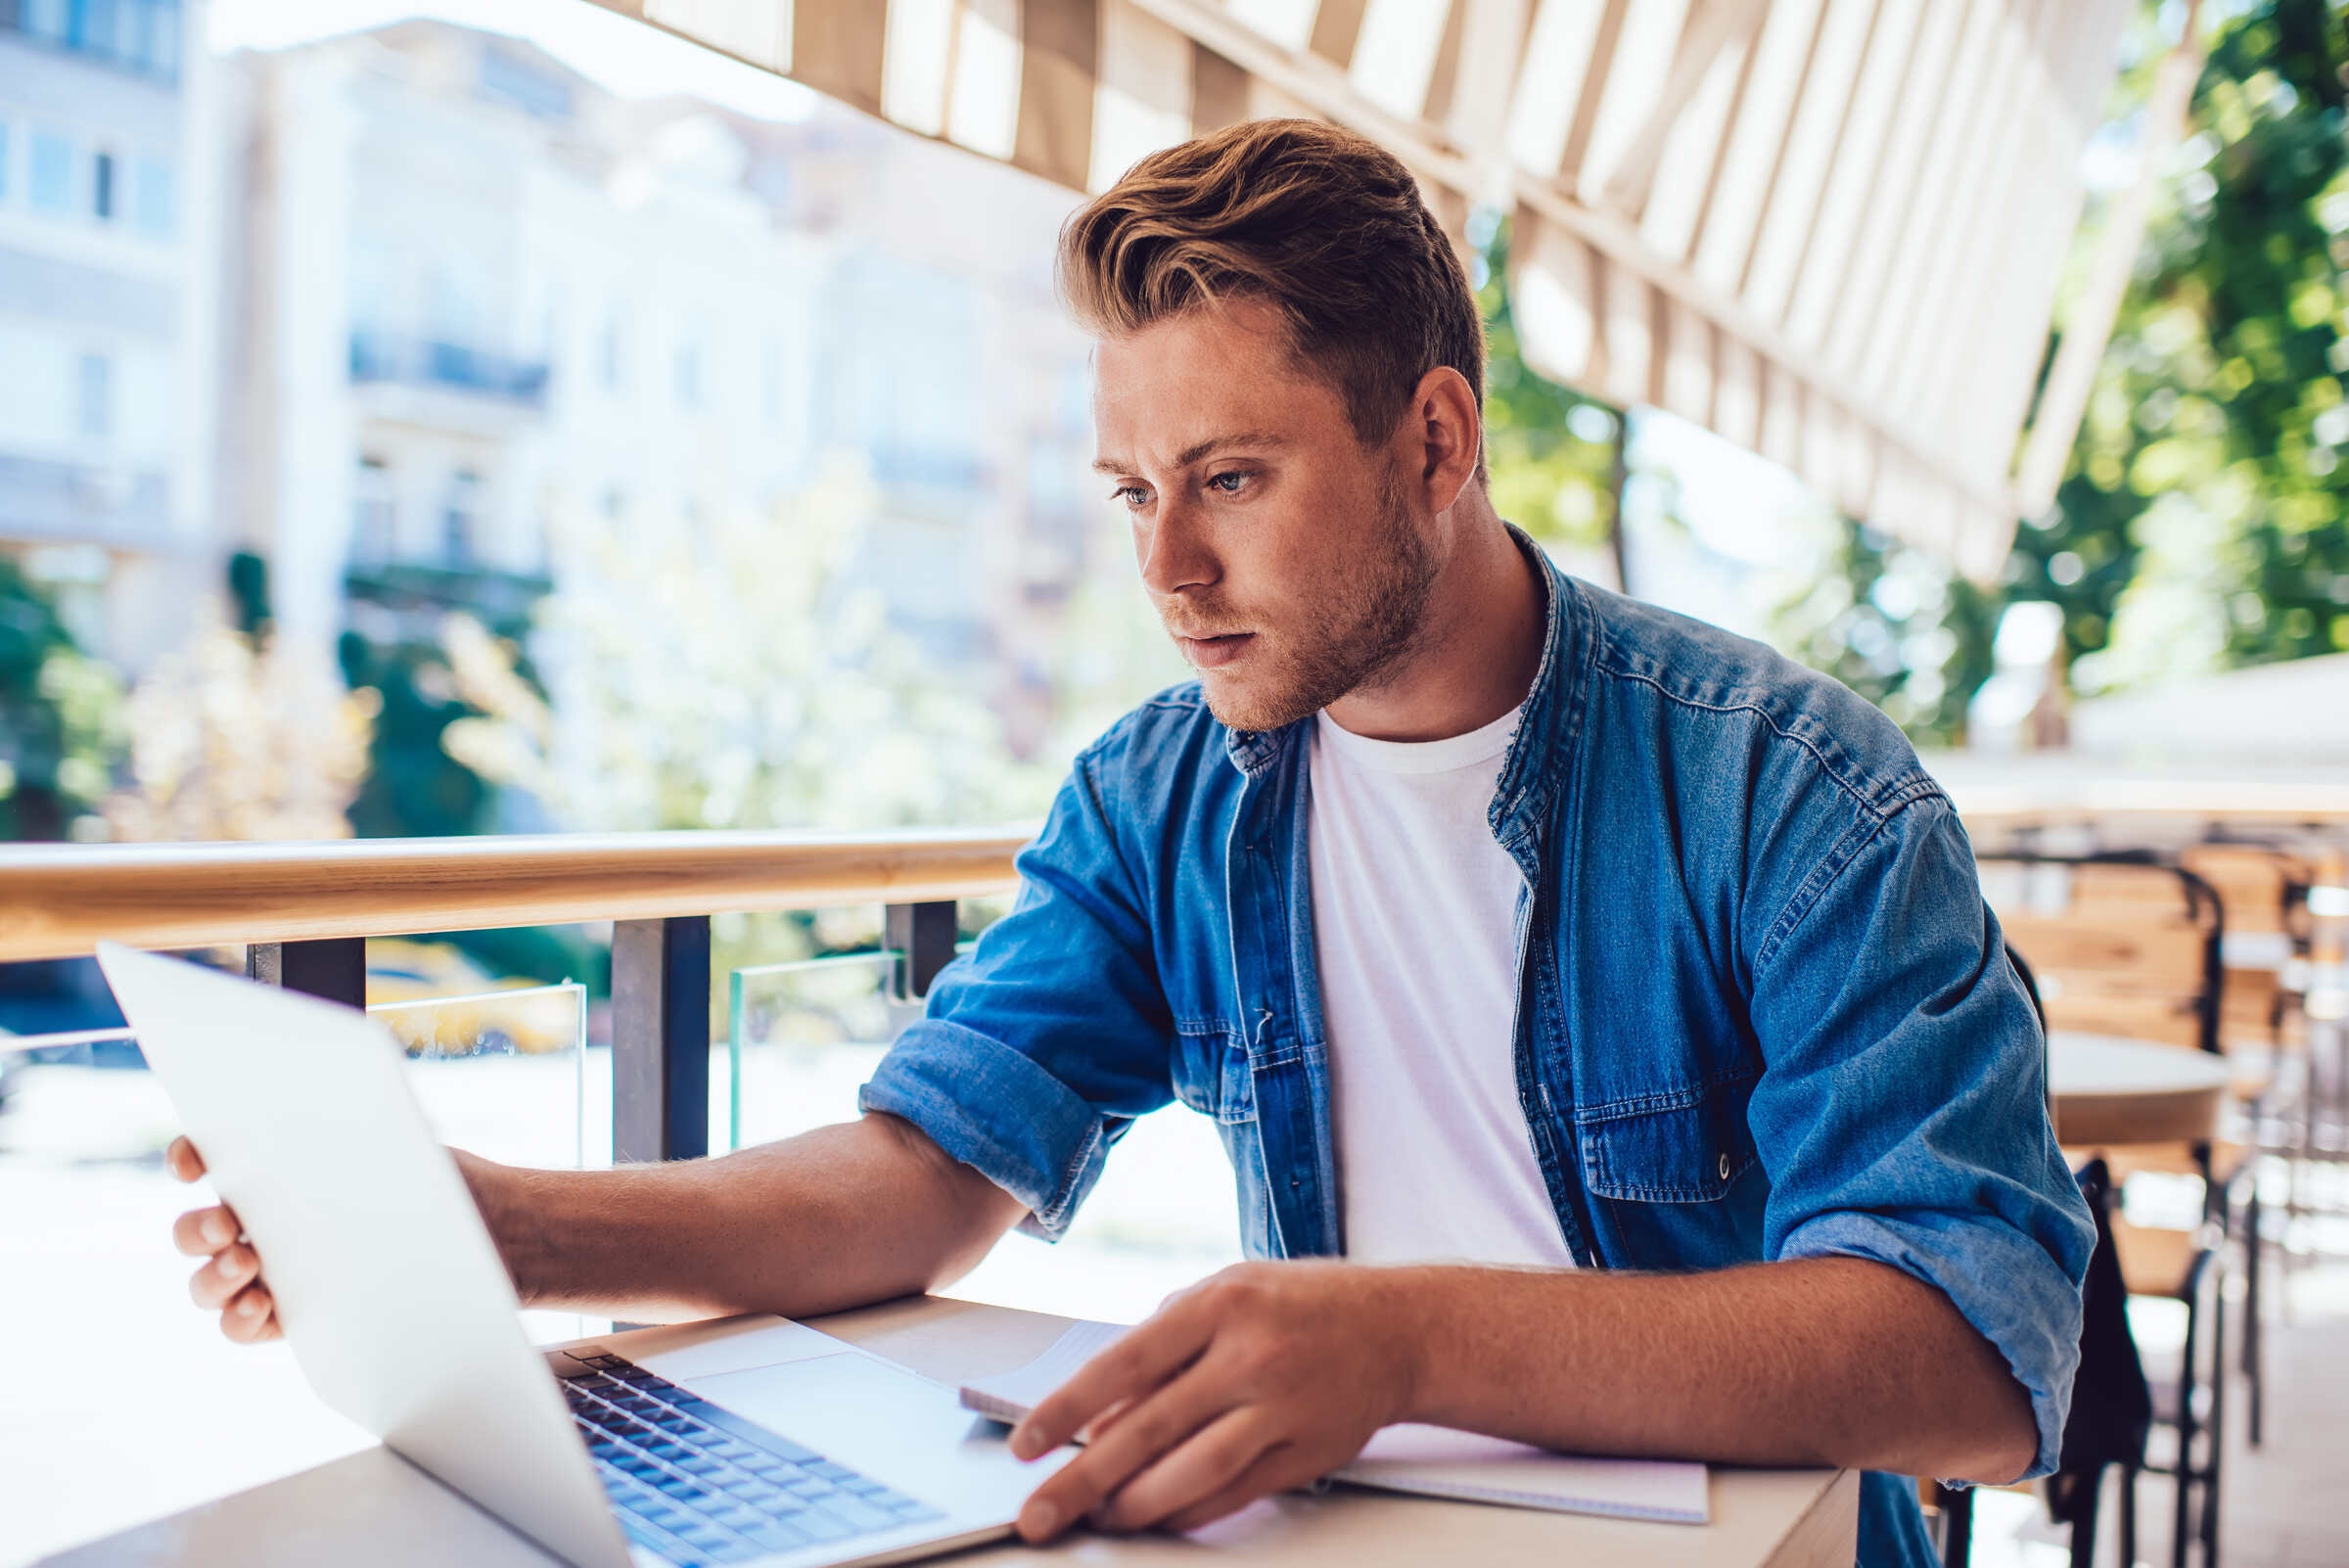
1100	1425
1140	1436
182	1160
1280	1468
252	1318
217	1282
1210	1460
1144	1359
201	1232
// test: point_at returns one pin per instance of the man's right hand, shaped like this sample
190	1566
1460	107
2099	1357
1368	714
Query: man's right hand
230	1281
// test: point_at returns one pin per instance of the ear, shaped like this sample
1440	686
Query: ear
1448	431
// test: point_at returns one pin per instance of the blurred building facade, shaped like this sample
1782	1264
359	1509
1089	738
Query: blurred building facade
107	320
381	309
469	292
462	297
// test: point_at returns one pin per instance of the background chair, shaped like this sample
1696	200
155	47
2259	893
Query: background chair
2132	944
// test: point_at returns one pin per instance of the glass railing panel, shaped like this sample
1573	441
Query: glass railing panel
801	1037
78	1101
501	1073
504	1074
1164	1215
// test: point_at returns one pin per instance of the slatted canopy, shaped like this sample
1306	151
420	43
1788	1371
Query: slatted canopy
1830	230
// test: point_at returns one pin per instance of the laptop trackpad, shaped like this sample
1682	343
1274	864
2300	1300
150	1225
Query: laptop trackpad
901	1429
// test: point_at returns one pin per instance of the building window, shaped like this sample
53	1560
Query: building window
94	399
773	379
460	519
456	296
141	34
52	180
615	504
689	373
375	514
2	162
153	199
160	46
46	18
102	186
375	295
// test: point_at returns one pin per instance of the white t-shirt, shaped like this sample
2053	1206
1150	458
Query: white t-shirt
1414	910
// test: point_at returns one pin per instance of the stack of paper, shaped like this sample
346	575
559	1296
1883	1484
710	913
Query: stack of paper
1430	1461
1009	1396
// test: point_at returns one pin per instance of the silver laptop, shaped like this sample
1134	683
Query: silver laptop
773	1444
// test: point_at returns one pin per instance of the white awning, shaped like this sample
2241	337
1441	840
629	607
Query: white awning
1827	229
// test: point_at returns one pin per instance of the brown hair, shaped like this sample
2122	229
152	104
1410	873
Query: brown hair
1322	224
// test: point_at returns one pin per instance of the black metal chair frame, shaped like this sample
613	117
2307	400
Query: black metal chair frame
2298	1144
2195	1418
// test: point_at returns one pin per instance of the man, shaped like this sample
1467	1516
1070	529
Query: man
1602	1013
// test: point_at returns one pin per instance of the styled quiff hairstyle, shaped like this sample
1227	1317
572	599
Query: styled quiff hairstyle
1324	225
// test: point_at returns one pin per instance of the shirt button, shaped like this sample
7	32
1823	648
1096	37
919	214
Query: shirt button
1725	1166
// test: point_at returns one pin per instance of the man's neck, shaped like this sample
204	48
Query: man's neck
1480	642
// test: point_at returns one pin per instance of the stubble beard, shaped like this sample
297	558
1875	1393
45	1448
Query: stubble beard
1359	636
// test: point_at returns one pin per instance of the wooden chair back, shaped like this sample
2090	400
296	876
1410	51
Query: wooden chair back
2127	946
2121	945
2265	890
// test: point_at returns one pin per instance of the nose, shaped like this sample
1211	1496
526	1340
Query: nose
1174	549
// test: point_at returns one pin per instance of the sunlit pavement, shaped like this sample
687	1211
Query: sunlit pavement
123	1402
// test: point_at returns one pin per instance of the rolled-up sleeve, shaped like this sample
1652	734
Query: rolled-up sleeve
1038	1048
1901	1111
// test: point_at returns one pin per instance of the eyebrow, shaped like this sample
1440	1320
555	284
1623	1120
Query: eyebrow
1198	449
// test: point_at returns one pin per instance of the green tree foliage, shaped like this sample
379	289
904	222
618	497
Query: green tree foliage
414	789
1899	628
736	676
61	716
2200	519
2205	495
1550	451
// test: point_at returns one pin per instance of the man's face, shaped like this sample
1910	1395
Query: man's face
1285	559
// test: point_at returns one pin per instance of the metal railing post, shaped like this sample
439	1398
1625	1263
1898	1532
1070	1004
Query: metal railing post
333	968
922	935
660	1040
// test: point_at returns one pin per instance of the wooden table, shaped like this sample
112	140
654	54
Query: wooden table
2109	1091
373	1510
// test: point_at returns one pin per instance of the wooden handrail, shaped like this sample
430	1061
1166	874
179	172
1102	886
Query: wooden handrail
58	900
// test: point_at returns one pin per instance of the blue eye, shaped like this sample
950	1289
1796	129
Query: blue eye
1236	479
1130	494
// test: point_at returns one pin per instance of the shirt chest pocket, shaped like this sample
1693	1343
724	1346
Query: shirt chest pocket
1686	1147
1210	1071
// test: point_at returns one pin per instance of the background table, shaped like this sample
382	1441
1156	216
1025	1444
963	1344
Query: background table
373	1510
2109	1091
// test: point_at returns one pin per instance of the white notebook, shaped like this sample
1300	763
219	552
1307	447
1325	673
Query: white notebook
1432	1460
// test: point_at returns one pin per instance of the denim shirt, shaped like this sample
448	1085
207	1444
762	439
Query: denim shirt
1762	1010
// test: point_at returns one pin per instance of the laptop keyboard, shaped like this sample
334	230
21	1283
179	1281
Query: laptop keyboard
698	1484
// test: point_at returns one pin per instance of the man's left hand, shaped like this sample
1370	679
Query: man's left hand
1267	1376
